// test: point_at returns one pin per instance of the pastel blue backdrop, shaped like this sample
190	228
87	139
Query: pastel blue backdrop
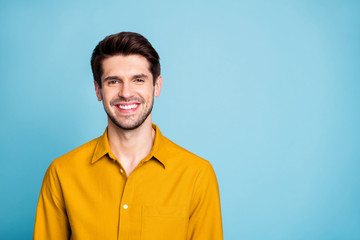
267	91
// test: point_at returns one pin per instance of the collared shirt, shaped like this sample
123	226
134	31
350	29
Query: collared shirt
172	194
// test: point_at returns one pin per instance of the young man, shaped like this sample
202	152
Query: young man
132	182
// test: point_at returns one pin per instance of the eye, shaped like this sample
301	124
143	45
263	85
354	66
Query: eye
112	82
139	80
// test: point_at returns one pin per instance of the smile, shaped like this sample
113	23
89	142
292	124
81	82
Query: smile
126	107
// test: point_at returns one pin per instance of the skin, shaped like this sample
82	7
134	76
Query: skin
127	93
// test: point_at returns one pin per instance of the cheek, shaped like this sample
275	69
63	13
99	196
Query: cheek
108	94
149	92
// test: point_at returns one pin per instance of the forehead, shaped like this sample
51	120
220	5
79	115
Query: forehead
121	65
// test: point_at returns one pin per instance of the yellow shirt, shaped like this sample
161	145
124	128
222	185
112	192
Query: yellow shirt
172	194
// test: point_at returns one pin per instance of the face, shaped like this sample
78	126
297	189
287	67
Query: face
127	90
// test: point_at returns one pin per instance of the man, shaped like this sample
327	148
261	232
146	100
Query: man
132	182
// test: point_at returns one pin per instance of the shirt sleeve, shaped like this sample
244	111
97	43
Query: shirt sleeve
51	220
205	219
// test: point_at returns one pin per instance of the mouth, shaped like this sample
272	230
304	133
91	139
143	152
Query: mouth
127	107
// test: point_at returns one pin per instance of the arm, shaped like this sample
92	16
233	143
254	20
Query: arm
205	219
51	220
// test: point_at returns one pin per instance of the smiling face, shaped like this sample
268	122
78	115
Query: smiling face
127	90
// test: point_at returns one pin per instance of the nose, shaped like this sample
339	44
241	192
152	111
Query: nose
126	90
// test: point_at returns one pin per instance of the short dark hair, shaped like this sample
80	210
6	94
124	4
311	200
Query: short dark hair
124	43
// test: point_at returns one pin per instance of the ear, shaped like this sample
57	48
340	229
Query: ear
98	91
158	84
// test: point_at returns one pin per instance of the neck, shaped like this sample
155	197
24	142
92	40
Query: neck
131	146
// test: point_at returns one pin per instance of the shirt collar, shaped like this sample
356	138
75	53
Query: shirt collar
103	148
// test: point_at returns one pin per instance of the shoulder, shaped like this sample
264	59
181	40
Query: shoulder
179	155
190	166
79	155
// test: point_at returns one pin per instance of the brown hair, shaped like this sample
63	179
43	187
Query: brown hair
124	43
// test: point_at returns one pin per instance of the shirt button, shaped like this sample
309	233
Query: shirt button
125	206
121	171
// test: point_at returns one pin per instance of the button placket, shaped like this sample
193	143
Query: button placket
124	222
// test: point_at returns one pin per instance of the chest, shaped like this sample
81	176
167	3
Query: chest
151	201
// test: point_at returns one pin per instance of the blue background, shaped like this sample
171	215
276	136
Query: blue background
267	91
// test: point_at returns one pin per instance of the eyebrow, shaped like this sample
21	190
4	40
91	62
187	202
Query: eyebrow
141	75
111	78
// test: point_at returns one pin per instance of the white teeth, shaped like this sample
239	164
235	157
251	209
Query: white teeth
126	107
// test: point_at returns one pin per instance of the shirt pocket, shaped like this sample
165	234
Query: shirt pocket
163	223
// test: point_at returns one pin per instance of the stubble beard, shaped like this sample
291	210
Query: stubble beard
129	124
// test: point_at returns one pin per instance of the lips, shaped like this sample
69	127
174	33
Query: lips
127	108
